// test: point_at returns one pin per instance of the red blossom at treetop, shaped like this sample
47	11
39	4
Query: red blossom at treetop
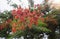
26	17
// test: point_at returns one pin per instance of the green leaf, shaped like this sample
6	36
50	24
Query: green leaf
17	34
40	23
41	29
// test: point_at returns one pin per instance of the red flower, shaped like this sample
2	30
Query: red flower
19	11
14	12
14	25
16	17
13	30
22	19
34	12
26	10
22	27
24	14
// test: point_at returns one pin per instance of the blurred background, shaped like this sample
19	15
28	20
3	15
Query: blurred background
25	3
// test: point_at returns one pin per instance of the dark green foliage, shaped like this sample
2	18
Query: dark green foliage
3	32
14	5
4	16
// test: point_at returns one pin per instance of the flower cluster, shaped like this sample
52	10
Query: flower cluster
25	18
